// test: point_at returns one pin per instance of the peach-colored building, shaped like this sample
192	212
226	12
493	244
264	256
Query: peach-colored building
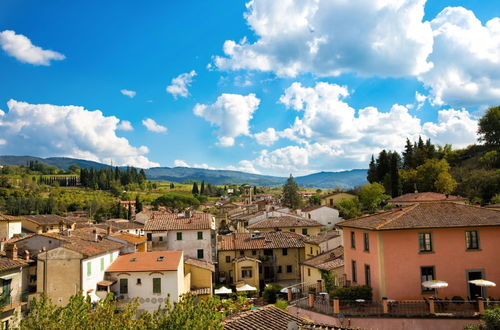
395	251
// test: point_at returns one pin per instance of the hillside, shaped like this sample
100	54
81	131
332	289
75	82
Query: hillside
323	180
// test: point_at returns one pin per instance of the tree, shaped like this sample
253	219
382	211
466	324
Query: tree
372	171
172	186
176	202
349	208
489	127
74	168
372	195
291	197
428	173
445	183
129	211
395	182
202	189
408	161
195	190
138	204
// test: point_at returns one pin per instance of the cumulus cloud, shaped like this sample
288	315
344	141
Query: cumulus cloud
128	93
244	166
329	37
21	48
231	113
125	125
455	127
466	59
267	137
71	131
179	85
152	126
180	163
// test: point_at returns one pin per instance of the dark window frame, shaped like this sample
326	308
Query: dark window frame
179	235
427	277
289	269
284	251
471	240
425	242
123	285
353	239
354	271
198	253
366	242
200	235
368	275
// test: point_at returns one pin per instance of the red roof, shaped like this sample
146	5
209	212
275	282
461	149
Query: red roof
425	197
265	240
147	261
174	221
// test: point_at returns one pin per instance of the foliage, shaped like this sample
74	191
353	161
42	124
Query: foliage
195	190
282	304
349	208
175	201
491	317
315	199
270	293
372	195
106	178
353	293
291	197
329	279
495	199
489	127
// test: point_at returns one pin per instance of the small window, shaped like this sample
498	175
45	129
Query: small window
292	230
284	252
425	242
200	253
160	238
242	253
354	271
179	236
311	250
304	231
288	268
353	240
102	264
246	272
368	276
280	269
426	274
89	268
471	240
268	252
149	237
366	242
200	235
139	282
156	285
254	252
308	271
123	285
228	259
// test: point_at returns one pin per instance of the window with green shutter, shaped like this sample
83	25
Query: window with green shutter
89	268
156	285
123	285
111	258
200	253
179	236
102	264
200	235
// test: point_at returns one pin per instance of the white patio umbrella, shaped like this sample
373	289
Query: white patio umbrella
246	287
482	282
223	290
93	297
294	289
435	284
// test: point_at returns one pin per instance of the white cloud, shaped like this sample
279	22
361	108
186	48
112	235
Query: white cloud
128	93
20	47
288	158
125	125
466	59
180	163
231	113
244	166
455	127
3	141
71	131
152	126
179	85
267	137
329	37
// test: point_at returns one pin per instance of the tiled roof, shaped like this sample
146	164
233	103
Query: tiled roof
427	215
4	217
265	318
146	262
248	216
312	208
174	221
130	238
284	221
327	260
83	241
73	219
45	219
425	197
245	258
266	240
322	237
121	225
8	263
200	263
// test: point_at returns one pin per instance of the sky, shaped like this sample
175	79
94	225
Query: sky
264	86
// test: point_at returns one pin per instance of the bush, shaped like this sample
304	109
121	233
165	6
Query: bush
492	318
270	293
353	293
282	304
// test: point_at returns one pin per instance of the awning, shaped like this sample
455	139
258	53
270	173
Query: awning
105	283
246	287
9	276
223	290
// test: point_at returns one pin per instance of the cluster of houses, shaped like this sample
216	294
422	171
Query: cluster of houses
248	245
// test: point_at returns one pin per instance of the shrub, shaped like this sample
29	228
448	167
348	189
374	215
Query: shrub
492	318
282	304
270	293
353	293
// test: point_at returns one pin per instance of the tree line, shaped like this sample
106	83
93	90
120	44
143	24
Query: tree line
107	178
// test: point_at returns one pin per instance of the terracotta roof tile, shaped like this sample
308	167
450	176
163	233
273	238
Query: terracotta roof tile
265	318
266	240
284	221
147	261
427	215
312	208
8	263
173	221
130	238
45	219
322	237
200	263
4	217
327	260
425	197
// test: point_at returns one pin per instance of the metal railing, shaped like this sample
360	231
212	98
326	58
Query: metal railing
365	308
456	308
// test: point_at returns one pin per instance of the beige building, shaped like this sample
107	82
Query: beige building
201	275
314	269
46	223
290	223
9	226
324	241
332	199
277	255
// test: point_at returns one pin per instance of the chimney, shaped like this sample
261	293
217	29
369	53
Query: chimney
11	251
187	214
108	230
26	255
95	235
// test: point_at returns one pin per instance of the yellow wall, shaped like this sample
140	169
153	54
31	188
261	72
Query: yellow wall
315	275
335	198
311	250
200	277
33	227
142	247
238	267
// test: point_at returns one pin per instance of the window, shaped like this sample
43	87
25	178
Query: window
426	274
471	240
139	282
156	285
111	258
89	268
160	238
309	215
199	253
292	230
425	242
288	268
200	235
353	271
149	237
268	252
304	231
228	259
102	264
284	252
366	242
368	276
242	253
353	240
280	269
311	250
246	272
308	271
123	285
179	236
254	252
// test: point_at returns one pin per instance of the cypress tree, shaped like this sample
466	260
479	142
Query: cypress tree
202	189
372	171
195	190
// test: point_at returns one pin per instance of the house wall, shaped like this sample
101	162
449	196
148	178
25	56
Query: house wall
334	199
311	250
200	277
238	267
9	228
311	231
189	243
316	275
39	229
327	216
12	314
89	282
36	243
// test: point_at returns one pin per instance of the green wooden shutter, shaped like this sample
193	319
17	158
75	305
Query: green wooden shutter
156	285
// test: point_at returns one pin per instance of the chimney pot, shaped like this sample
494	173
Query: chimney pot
26	255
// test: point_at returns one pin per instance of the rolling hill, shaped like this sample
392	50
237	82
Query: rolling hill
323	180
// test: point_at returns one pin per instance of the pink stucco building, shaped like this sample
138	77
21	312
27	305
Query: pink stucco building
395	251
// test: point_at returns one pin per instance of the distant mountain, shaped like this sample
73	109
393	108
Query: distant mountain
323	180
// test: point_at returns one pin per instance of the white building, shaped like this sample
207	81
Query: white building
325	215
149	276
192	233
9	226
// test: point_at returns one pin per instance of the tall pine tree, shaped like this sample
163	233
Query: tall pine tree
195	190
291	197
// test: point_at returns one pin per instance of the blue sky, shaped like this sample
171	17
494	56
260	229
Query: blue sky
274	89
